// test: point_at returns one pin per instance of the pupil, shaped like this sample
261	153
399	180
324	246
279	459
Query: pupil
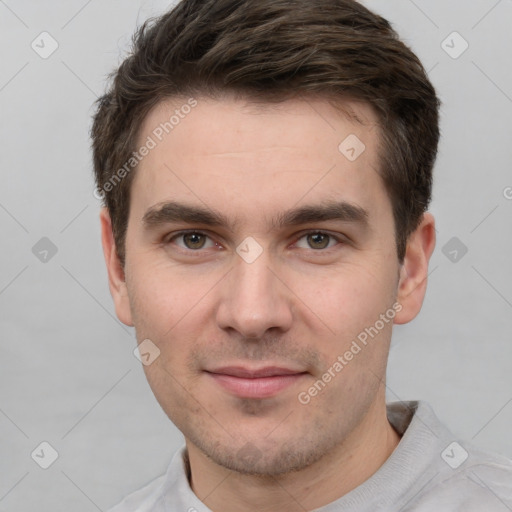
318	241
194	240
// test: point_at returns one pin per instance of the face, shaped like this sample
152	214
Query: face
261	262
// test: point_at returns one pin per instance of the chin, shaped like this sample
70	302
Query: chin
255	459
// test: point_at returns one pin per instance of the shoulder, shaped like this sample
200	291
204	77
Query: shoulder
446	473
482	481
171	491
142	500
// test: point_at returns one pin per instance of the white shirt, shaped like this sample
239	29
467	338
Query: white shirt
429	471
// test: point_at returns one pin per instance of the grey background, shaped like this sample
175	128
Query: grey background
67	372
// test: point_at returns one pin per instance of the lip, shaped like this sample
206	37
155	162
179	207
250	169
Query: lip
255	383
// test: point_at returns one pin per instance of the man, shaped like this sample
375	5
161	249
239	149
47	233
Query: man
266	168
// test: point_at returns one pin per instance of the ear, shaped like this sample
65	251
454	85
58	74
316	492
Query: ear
116	276
414	271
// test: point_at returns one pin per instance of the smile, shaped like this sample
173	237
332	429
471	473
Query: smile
262	383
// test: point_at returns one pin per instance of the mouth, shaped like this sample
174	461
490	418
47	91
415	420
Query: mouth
255	383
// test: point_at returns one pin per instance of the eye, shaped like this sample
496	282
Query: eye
192	240
317	240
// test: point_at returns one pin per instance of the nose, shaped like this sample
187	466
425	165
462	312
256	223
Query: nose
254	300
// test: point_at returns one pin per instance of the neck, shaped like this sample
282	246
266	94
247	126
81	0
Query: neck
360	455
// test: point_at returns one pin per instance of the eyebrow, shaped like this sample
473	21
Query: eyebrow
172	211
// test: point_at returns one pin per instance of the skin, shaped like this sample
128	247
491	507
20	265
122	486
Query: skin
298	305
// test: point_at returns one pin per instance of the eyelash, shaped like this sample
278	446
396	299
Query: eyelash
175	236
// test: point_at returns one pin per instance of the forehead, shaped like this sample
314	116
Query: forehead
230	154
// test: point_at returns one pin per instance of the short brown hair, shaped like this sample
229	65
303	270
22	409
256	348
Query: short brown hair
270	51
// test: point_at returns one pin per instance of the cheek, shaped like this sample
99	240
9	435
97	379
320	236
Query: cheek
346	299
162	295
173	310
